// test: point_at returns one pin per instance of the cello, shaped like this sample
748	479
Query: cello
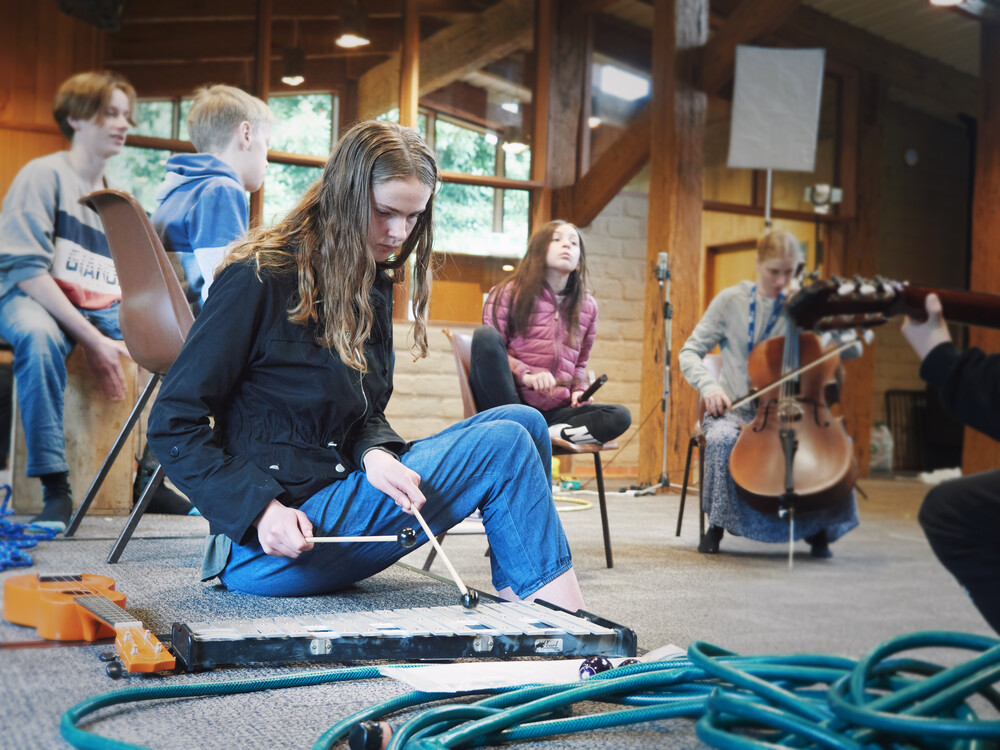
794	454
797	422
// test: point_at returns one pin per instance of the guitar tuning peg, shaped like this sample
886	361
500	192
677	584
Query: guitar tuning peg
825	338
836	280
868	336
867	289
846	288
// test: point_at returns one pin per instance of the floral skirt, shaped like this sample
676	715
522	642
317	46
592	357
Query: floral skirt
725	508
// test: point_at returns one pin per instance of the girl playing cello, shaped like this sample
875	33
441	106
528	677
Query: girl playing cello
738	319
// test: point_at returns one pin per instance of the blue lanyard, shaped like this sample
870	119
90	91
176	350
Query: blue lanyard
775	314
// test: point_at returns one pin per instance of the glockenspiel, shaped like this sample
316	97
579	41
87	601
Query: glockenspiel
493	629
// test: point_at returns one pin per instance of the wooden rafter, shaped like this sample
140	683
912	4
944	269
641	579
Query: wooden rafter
449	54
581	202
750	20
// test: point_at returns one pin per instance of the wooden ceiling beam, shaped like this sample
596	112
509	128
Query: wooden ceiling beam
181	79
467	45
189	40
900	67
157	11
581	202
750	20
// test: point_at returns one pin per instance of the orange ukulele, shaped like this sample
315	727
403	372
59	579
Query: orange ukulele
83	608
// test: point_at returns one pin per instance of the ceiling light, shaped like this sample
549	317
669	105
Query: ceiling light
352	25
295	67
593	122
507	267
946	3
511	107
515	147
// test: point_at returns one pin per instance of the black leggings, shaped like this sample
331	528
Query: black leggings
962	521
493	385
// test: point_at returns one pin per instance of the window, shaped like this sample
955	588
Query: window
140	170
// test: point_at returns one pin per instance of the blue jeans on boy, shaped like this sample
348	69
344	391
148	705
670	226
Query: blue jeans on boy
498	461
40	351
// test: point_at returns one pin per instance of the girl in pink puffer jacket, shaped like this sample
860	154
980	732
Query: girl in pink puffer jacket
538	333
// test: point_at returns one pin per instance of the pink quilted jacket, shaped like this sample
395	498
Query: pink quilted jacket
545	346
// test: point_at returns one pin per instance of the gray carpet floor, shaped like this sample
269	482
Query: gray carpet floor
882	581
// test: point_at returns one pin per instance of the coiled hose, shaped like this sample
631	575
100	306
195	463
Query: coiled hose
800	701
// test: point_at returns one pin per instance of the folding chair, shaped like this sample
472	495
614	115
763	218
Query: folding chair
461	347
155	319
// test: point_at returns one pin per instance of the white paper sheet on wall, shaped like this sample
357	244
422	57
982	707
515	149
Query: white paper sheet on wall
776	98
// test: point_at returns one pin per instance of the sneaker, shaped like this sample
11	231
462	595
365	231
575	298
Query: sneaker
579	435
55	514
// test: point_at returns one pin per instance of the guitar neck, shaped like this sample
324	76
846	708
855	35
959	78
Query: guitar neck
968	308
138	649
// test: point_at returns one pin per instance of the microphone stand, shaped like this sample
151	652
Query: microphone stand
663	277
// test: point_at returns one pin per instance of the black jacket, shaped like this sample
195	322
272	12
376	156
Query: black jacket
290	416
968	385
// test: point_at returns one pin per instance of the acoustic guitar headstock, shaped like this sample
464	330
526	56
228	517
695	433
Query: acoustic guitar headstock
835	303
141	651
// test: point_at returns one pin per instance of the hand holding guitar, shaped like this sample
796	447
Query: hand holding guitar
925	336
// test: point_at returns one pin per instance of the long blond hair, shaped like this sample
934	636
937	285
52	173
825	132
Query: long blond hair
324	239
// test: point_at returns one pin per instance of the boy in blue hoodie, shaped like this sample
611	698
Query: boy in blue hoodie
203	200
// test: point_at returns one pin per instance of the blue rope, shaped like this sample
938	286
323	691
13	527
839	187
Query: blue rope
17	537
740	703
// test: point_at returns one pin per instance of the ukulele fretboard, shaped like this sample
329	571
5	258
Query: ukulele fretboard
107	611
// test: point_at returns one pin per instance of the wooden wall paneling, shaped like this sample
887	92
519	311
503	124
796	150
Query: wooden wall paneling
31	70
980	452
678	112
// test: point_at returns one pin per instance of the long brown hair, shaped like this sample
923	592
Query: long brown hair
324	239
526	284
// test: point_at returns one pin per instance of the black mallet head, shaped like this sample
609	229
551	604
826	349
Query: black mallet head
471	599
407	538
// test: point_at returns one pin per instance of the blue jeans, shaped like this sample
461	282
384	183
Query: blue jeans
40	351
498	461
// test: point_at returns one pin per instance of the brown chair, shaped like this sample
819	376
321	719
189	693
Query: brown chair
155	319
461	347
713	362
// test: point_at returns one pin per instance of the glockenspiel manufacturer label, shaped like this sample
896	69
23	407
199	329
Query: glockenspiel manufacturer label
549	646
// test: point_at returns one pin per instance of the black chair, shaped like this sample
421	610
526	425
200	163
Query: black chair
461	347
